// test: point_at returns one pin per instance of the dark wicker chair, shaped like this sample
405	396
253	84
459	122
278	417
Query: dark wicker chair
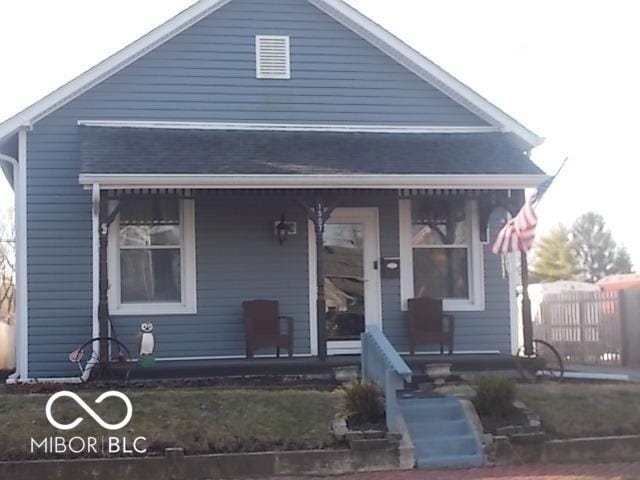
262	326
428	324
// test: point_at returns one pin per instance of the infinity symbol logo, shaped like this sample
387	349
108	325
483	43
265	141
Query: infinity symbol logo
89	410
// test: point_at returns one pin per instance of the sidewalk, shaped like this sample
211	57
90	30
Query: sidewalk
602	372
613	471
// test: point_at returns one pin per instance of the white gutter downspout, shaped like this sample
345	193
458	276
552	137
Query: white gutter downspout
95	256
19	167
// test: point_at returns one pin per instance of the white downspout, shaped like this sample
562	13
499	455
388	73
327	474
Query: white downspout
19	167
18	246
95	250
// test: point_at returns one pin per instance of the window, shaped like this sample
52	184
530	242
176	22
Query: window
152	257
273	57
441	253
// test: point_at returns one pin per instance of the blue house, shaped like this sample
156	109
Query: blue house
195	169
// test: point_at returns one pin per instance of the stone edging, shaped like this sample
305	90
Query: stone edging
174	465
537	449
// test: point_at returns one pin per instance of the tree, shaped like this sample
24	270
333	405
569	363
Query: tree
554	257
7	271
595	250
622	263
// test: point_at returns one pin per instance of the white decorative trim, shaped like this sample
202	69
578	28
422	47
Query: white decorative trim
476	264
476	301
338	9
514	323
188	306
95	260
373	287
424	68
285	127
261	70
313	272
22	360
411	181
406	254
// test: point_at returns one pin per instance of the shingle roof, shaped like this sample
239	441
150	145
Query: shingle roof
106	150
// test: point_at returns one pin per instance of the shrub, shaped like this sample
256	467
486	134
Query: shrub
362	401
494	396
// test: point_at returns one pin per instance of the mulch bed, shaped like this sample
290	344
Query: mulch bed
515	417
355	423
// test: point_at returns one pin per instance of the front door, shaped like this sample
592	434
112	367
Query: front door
352	277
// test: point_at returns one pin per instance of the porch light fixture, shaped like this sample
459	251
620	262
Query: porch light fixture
283	229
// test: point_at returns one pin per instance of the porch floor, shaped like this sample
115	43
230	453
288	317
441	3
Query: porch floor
307	366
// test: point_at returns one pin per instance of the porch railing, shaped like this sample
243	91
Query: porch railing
382	364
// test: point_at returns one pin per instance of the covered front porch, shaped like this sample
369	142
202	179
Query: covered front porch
226	247
336	231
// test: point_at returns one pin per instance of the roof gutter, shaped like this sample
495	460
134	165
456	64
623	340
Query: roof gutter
350	181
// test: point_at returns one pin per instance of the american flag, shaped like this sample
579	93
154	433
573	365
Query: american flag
519	233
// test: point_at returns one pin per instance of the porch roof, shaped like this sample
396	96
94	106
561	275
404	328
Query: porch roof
138	151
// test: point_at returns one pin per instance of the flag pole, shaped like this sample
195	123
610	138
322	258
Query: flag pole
527	321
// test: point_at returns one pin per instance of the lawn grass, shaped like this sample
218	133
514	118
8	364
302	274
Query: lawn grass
577	410
198	420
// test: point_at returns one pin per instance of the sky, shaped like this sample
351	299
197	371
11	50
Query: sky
567	69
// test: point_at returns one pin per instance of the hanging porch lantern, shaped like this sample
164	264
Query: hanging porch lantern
283	229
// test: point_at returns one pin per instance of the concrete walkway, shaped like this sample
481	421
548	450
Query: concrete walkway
602	372
613	471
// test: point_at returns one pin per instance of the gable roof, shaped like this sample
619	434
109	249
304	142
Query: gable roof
338	9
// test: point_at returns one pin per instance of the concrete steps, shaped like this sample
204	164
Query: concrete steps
440	431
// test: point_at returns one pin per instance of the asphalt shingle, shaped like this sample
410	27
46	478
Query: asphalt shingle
107	150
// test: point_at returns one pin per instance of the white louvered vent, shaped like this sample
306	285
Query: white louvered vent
273	58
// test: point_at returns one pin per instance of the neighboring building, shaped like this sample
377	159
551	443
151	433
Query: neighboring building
620	282
206	132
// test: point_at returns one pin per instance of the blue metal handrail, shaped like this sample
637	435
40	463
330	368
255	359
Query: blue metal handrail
382	364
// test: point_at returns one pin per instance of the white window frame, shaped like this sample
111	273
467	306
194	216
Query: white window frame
188	303
267	76
476	300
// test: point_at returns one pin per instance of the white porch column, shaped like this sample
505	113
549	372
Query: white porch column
95	256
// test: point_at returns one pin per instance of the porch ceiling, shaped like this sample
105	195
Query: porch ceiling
140	151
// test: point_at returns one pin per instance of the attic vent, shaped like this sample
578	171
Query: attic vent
273	57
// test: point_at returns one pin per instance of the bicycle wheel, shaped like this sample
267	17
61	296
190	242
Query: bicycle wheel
545	362
104	372
551	362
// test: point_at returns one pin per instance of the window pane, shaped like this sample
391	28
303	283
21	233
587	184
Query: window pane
150	276
440	272
343	263
150	221
439	222
144	236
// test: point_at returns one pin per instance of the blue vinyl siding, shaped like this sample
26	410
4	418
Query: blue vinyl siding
207	73
238	258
